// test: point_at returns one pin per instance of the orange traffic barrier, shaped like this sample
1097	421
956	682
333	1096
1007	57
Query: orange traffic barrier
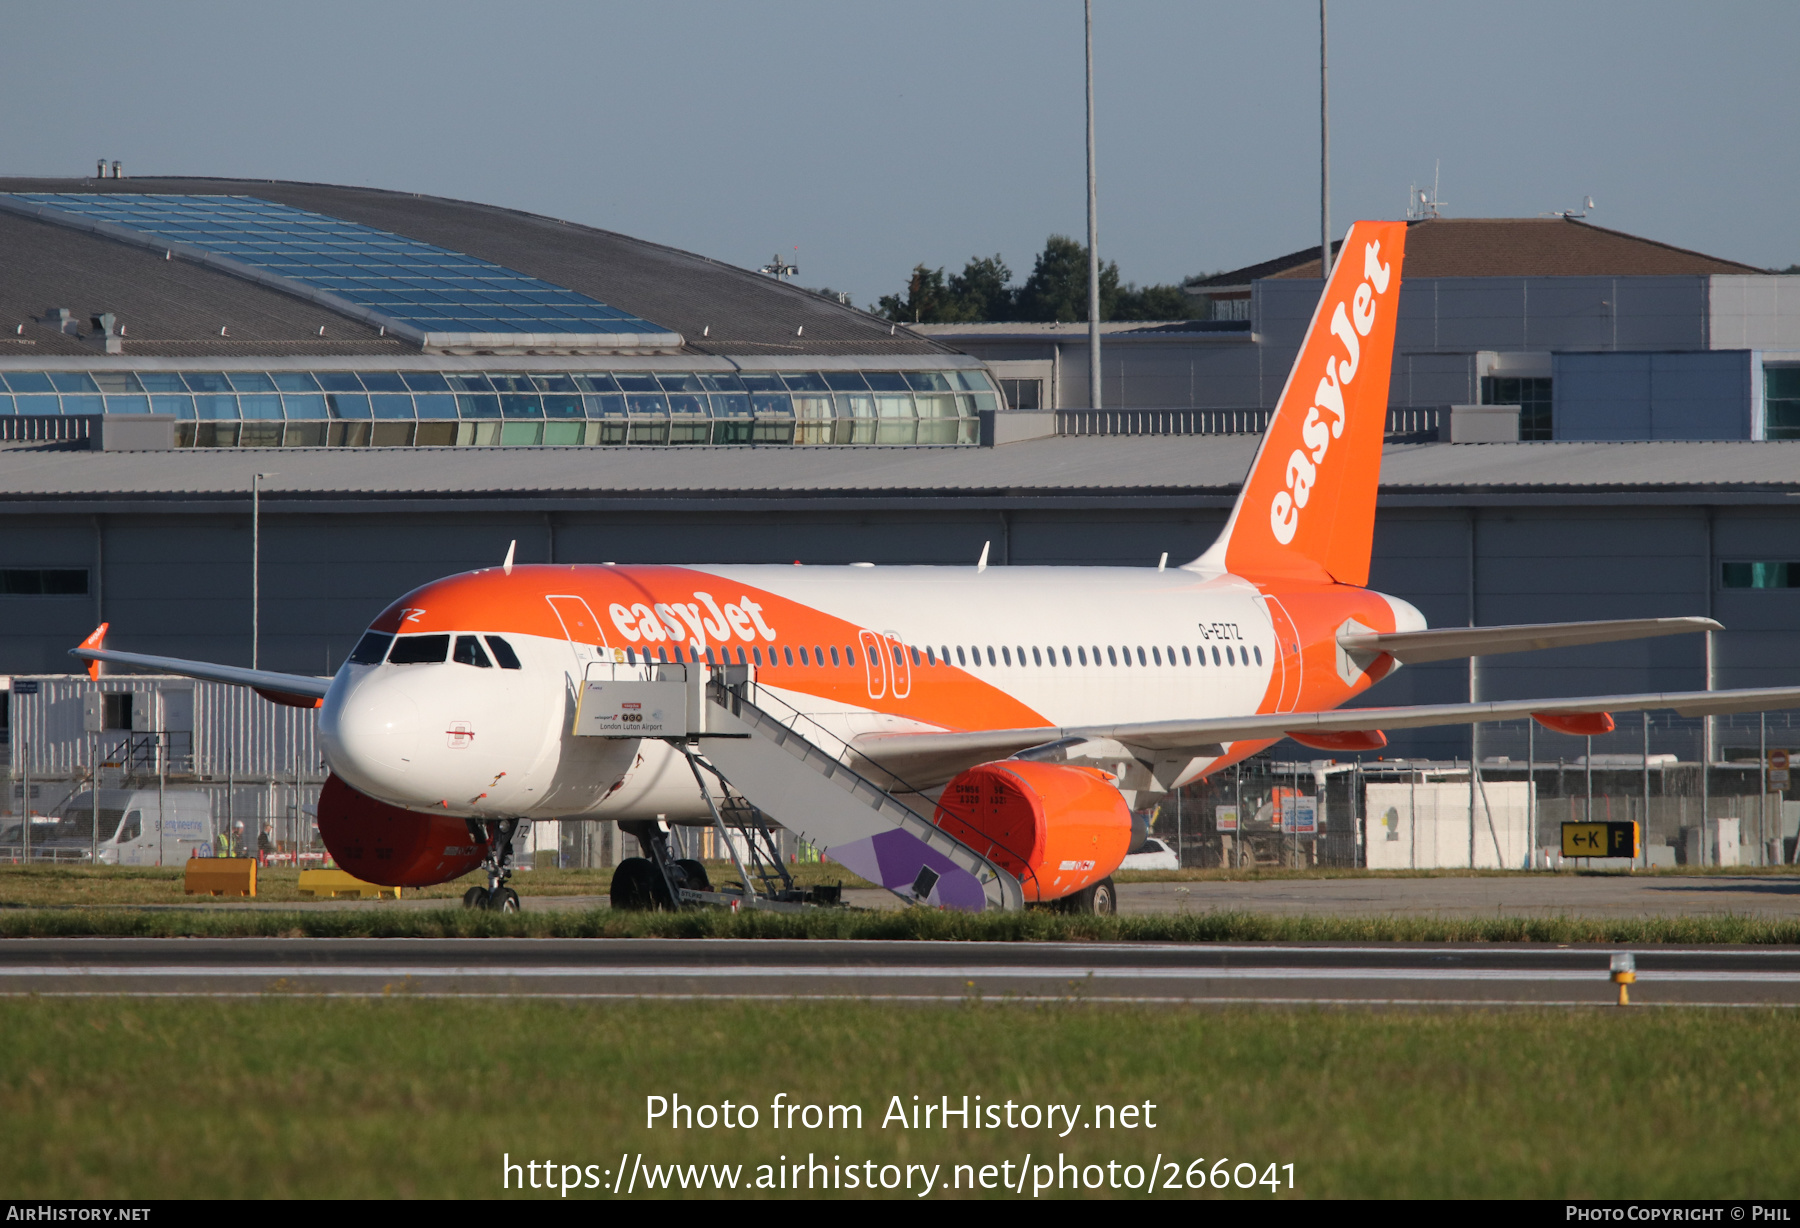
220	876
334	883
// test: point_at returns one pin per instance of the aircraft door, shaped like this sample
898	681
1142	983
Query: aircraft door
1289	669
900	669
578	622
873	669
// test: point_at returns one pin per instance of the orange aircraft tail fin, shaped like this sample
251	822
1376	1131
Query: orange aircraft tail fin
1307	510
96	639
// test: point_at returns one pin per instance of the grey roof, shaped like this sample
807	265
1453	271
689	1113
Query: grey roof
1197	470
718	308
169	307
1504	247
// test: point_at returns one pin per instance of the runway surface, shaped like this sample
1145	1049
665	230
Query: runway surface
672	968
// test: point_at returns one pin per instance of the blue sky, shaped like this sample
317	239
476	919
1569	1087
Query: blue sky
875	135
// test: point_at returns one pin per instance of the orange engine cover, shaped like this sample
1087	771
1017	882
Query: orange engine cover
385	844
1054	827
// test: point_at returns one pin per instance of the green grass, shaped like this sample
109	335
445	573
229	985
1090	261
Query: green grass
902	925
295	1097
69	886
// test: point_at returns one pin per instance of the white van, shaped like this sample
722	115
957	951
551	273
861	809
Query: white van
135	830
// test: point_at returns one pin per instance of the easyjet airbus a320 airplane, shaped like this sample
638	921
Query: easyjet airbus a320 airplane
968	737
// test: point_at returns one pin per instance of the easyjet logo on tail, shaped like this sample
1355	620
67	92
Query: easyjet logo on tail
1307	510
1340	372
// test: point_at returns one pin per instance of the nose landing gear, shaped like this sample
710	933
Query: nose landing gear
496	896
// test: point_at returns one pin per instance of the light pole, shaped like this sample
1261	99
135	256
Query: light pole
1093	243
256	481
1324	156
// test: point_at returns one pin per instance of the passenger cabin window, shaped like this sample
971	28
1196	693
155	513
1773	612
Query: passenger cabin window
1258	652
468	652
504	653
419	650
371	649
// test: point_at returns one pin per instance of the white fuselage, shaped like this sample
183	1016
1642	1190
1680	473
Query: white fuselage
1057	646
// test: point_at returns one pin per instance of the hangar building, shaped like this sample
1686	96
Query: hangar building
1592	333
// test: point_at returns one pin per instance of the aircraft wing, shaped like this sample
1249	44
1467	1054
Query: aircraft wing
294	690
1447	643
928	759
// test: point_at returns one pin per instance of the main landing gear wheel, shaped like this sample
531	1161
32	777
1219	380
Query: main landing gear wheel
1099	900
475	897
694	874
637	887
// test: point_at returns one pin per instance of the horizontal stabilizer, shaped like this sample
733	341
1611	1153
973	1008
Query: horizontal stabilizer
268	681
1418	647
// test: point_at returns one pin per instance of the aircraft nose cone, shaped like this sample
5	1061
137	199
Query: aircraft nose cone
371	737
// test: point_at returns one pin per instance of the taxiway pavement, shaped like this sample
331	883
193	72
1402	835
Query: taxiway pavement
897	971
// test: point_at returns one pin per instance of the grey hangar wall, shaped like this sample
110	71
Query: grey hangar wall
178	583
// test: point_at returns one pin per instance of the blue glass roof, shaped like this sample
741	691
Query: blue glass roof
430	289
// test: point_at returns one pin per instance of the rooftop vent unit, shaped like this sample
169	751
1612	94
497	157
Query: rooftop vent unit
108	334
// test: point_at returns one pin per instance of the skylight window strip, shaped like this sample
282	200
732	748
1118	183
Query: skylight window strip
413	284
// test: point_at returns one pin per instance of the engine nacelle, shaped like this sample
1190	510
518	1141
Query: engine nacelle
1055	827
385	844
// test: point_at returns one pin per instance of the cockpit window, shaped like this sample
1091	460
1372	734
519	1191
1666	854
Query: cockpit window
503	653
468	652
371	648
419	650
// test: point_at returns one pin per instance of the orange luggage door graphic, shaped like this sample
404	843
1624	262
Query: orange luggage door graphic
578	621
900	671
1290	669
873	668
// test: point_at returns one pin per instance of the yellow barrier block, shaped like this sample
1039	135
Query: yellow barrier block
220	876
334	883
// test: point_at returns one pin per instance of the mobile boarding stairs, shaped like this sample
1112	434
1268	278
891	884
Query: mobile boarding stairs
788	766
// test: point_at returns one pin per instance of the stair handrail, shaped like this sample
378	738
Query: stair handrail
735	700
849	749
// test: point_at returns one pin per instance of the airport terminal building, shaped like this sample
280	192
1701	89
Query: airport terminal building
368	390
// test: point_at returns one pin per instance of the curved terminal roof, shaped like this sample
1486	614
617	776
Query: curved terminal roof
183	308
430	295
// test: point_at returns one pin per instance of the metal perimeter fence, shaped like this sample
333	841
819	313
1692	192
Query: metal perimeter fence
1703	792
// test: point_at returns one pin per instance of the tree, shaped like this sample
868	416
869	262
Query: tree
1056	291
924	301
1162	302
983	290
1058	286
979	292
